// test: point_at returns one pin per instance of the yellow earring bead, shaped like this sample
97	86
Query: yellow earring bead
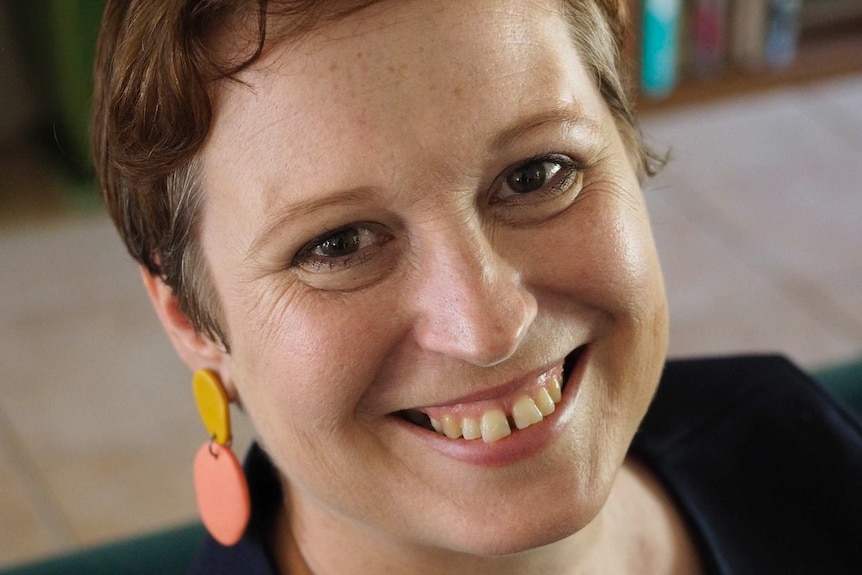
213	405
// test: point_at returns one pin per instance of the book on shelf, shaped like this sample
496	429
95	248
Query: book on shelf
747	33
700	39
707	36
660	35
782	32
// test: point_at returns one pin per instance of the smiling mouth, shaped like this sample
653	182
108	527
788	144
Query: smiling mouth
494	420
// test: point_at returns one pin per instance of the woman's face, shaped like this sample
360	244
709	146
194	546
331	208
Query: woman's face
425	210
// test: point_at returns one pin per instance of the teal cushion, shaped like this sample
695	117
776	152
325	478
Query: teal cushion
168	552
845	383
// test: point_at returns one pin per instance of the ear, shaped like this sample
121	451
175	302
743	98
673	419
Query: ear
196	350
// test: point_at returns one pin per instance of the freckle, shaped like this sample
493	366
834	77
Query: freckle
333	67
391	69
457	91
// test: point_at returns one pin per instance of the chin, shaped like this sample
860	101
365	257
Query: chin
510	540
534	539
527	526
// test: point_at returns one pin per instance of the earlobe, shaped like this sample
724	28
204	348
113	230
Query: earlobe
195	349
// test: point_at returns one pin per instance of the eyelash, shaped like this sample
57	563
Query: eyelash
306	257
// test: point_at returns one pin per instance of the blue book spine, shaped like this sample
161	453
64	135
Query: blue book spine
782	32
660	46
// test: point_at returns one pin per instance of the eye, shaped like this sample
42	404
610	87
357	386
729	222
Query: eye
549	176
531	177
350	245
342	243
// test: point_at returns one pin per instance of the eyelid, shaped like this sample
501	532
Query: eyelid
548	157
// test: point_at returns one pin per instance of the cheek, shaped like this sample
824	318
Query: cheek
308	356
601	255
300	374
603	270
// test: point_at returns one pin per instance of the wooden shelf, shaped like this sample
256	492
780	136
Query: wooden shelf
825	13
823	53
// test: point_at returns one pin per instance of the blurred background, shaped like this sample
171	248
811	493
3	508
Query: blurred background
757	219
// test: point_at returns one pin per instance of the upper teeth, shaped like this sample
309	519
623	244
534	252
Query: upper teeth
494	425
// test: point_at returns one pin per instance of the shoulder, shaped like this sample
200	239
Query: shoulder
765	465
765	392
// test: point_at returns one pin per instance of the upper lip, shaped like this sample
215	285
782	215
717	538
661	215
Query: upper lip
505	388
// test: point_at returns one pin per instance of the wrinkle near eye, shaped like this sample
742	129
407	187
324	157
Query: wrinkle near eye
274	299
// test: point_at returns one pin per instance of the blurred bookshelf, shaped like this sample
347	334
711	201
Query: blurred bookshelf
823	40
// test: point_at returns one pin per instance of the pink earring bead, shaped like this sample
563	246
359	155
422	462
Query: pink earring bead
222	493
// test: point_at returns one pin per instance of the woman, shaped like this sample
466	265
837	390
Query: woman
409	239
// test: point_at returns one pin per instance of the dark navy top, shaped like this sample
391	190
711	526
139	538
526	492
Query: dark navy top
764	465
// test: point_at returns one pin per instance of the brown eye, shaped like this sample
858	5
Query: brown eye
340	244
351	245
536	189
532	177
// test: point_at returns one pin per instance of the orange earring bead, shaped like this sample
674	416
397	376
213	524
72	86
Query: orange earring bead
222	493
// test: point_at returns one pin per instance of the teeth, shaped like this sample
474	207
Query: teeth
544	402
495	426
556	388
471	428
437	425
451	427
525	413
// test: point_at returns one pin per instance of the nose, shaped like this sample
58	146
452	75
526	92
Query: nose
473	305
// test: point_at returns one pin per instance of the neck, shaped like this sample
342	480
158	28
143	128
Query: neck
637	530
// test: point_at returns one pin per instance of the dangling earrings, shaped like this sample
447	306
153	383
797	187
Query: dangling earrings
220	484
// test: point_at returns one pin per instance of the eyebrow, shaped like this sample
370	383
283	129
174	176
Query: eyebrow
564	114
306	207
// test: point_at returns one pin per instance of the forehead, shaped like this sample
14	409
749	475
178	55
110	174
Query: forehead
409	78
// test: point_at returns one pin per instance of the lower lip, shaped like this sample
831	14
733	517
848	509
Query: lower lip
522	444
